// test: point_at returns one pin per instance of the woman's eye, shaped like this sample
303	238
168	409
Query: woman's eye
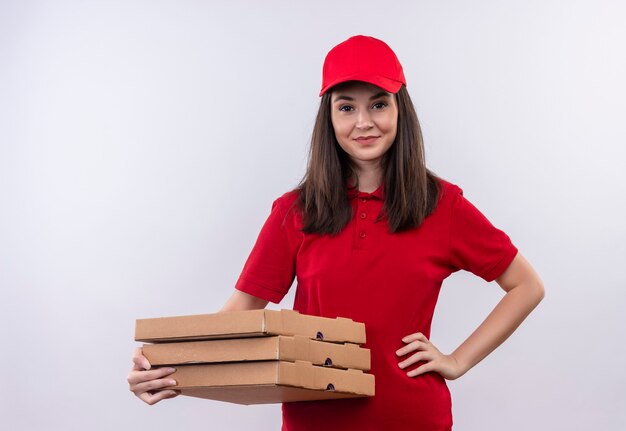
345	108
379	105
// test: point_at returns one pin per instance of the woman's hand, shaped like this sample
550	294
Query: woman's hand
146	383
446	365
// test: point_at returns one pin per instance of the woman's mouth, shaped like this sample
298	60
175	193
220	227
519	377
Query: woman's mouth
366	139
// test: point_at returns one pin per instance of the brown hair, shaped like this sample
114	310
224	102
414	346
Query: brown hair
411	190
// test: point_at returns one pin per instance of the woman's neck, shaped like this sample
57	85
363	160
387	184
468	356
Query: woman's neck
369	178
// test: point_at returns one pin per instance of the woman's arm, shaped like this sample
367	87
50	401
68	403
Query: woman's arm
524	290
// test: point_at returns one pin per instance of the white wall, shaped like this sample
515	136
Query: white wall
142	143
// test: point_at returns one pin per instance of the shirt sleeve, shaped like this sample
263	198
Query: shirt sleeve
269	270
476	245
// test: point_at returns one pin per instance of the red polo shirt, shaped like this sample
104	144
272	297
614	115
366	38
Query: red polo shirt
388	281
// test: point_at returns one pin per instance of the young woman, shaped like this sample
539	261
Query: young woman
370	234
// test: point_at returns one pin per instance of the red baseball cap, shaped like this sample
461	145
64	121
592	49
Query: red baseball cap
363	58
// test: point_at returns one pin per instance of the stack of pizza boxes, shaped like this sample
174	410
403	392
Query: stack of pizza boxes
260	356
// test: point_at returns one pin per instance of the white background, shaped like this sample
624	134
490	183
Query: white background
142	143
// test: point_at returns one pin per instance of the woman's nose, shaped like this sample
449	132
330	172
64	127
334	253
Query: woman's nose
363	120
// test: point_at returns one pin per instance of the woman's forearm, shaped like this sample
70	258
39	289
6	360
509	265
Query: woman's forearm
243	301
507	315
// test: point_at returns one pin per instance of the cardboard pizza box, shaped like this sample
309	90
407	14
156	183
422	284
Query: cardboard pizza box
249	323
270	382
280	347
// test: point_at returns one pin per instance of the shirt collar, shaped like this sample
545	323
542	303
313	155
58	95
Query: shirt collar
353	192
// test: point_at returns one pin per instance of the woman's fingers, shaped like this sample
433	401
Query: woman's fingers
152	386
411	347
425	352
417	341
420	356
434	361
147	383
418	336
140	362
152	399
135	377
426	368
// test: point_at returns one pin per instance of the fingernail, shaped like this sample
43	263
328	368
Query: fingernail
172	382
171	370
401	365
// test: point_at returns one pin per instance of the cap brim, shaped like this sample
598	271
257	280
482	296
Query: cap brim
390	85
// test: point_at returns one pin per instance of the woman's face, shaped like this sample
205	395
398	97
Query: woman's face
365	119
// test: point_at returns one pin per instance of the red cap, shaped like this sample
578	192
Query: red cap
363	58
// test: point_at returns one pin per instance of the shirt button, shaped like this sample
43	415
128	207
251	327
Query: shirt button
362	234
363	215
363	200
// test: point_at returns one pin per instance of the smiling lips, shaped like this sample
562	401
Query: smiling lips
366	139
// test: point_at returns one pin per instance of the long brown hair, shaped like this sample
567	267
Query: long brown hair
411	189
